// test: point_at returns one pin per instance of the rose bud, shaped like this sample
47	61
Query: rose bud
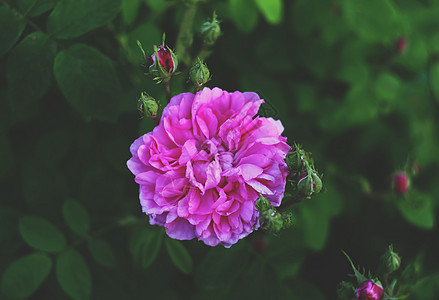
401	45
370	290
148	106
391	260
167	61
199	74
310	184
401	183
211	30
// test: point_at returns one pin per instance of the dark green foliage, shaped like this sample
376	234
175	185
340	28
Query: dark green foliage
23	276
88	80
40	234
30	64
73	274
11	27
179	256
356	82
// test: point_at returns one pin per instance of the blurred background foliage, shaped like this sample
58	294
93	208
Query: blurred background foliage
356	82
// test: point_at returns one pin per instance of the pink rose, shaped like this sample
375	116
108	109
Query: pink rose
203	167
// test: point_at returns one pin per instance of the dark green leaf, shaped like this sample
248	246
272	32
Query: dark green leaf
157	6
29	69
271	9
40	234
214	271
76	217
130	8
145	244
373	20
244	14
23	276
102	252
88	80
179	255
35	8
417	209
11	27
72	18
73	275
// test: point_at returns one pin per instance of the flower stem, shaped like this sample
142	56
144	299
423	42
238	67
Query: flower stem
167	87
185	36
156	120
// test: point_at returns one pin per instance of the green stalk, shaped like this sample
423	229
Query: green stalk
185	35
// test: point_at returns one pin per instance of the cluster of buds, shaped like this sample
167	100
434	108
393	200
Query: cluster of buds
269	218
211	30
369	288
162	64
303	175
199	74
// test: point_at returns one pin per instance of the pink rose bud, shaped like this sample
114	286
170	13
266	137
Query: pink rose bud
166	59
401	183
401	45
370	290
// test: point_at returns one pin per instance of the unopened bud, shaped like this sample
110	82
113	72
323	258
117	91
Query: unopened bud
262	204
370	290
391	260
310	183
401	45
199	74
148	106
211	30
295	159
401	183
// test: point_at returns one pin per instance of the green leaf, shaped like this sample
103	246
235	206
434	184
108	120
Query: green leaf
417	209
73	18
157	6
179	255
373	20
88	80
11	27
145	245
244	14
387	86
23	276
35	8
29	69
40	234
214	271
73	275
130	8
76	217
102	252
271	9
